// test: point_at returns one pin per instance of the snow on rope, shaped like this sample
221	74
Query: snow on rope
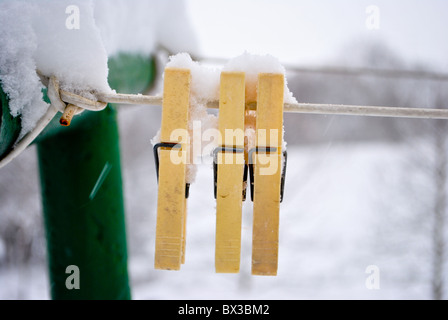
61	100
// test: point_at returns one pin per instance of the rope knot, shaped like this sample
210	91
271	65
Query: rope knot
69	103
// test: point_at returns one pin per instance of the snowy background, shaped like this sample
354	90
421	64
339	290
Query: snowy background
359	191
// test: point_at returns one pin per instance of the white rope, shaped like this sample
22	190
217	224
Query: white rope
56	105
354	110
374	111
313	108
60	99
350	71
53	94
82	102
30	136
139	99
102	99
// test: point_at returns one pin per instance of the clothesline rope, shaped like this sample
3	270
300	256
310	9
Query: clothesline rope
313	108
71	104
351	71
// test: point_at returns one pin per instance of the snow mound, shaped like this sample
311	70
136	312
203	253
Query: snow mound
72	39
37	39
205	79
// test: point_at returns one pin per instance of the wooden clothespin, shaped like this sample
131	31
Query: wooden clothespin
229	168
265	163
171	156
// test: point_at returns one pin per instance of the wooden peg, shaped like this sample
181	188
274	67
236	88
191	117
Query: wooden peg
230	168
171	201
267	173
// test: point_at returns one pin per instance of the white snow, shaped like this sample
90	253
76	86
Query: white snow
17	65
35	37
338	203
252	65
205	79
75	56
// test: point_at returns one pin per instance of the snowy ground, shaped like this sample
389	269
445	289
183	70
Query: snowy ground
337	199
328	223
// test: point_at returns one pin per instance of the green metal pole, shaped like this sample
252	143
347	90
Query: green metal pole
83	208
82	192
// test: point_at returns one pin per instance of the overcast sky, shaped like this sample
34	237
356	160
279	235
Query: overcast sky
315	32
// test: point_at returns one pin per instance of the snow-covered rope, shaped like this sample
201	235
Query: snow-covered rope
70	104
337	109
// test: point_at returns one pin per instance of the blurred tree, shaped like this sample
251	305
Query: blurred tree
411	229
440	203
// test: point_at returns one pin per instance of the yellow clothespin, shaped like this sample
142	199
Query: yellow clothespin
265	164
171	156
229	167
